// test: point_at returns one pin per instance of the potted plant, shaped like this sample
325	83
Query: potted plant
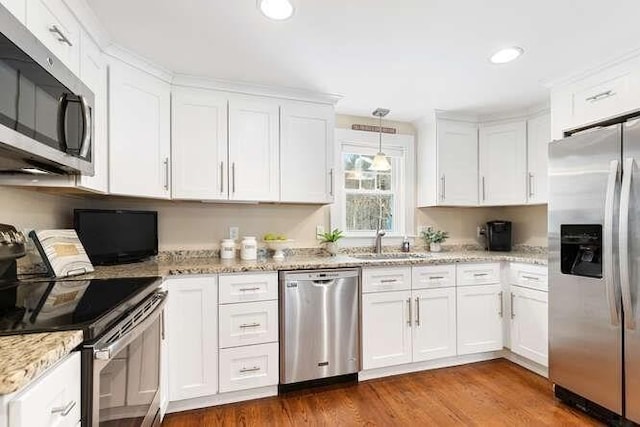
330	240
434	238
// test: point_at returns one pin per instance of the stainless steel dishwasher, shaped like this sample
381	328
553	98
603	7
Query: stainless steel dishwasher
319	324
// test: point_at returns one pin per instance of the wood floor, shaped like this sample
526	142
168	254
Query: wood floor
495	393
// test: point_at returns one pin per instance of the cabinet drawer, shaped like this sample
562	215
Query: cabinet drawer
54	25
386	279
52	400
248	287
248	367
433	276
529	276
477	274
248	323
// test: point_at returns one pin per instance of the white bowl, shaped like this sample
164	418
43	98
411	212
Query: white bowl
279	247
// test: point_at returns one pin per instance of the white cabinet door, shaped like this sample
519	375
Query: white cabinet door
386	329
42	402
529	324
199	144
306	153
434	331
457	163
248	323
538	138
253	149
56	27
192	334
93	72
503	164
139	132
479	318
17	8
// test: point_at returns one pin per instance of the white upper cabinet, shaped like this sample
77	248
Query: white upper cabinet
254	149
457	163
538	138
199	144
93	72
55	26
139	131
503	164
611	92
447	163
17	7
306	153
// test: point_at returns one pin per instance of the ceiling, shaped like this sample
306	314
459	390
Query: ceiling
411	56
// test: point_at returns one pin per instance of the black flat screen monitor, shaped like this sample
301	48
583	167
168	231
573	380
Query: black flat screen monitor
117	236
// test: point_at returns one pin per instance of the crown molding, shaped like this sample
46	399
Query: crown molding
89	22
186	80
589	71
141	63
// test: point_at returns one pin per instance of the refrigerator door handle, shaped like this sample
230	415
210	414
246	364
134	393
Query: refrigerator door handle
614	169
623	243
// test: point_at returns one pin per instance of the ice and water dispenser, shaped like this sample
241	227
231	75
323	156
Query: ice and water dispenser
581	250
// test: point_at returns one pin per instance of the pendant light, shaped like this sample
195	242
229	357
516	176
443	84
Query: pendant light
380	161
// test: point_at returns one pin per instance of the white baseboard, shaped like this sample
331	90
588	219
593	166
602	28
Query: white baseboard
427	365
222	399
539	369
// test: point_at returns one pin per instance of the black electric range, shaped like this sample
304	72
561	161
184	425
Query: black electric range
90	305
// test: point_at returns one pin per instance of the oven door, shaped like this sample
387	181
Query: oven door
122	381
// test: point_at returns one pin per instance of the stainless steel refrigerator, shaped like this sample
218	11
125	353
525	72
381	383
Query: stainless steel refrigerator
594	270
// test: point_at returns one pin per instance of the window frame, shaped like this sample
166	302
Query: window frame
402	150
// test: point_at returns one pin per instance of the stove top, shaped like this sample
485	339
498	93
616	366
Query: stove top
69	304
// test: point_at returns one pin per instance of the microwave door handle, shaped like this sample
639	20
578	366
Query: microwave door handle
106	351
63	105
86	127
614	168
623	243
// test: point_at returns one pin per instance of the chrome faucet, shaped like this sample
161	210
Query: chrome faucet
379	235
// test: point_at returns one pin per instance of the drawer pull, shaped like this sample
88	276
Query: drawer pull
530	277
600	96
61	37
255	368
64	410
388	280
480	274
249	325
249	289
436	277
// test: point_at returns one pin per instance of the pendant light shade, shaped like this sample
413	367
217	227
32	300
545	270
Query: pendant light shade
380	161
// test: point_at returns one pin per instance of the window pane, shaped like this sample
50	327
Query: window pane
364	212
368	181
350	183
384	181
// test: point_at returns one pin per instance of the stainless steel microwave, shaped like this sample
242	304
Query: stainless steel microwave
46	111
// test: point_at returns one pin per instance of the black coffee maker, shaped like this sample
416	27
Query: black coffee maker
498	235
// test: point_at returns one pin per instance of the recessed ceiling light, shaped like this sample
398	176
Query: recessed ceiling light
506	55
278	10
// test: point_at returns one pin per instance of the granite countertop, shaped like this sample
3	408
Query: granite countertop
24	357
214	265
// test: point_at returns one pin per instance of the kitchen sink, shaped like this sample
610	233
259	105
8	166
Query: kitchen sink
389	256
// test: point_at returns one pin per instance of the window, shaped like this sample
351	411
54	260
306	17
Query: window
368	200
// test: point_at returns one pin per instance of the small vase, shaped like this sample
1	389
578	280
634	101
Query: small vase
332	248
435	247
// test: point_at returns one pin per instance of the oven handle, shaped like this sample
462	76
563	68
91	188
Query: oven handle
104	351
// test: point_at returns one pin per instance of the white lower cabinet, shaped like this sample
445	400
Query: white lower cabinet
192	333
408	326
479	318
52	400
386	331
529	324
248	367
434	330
